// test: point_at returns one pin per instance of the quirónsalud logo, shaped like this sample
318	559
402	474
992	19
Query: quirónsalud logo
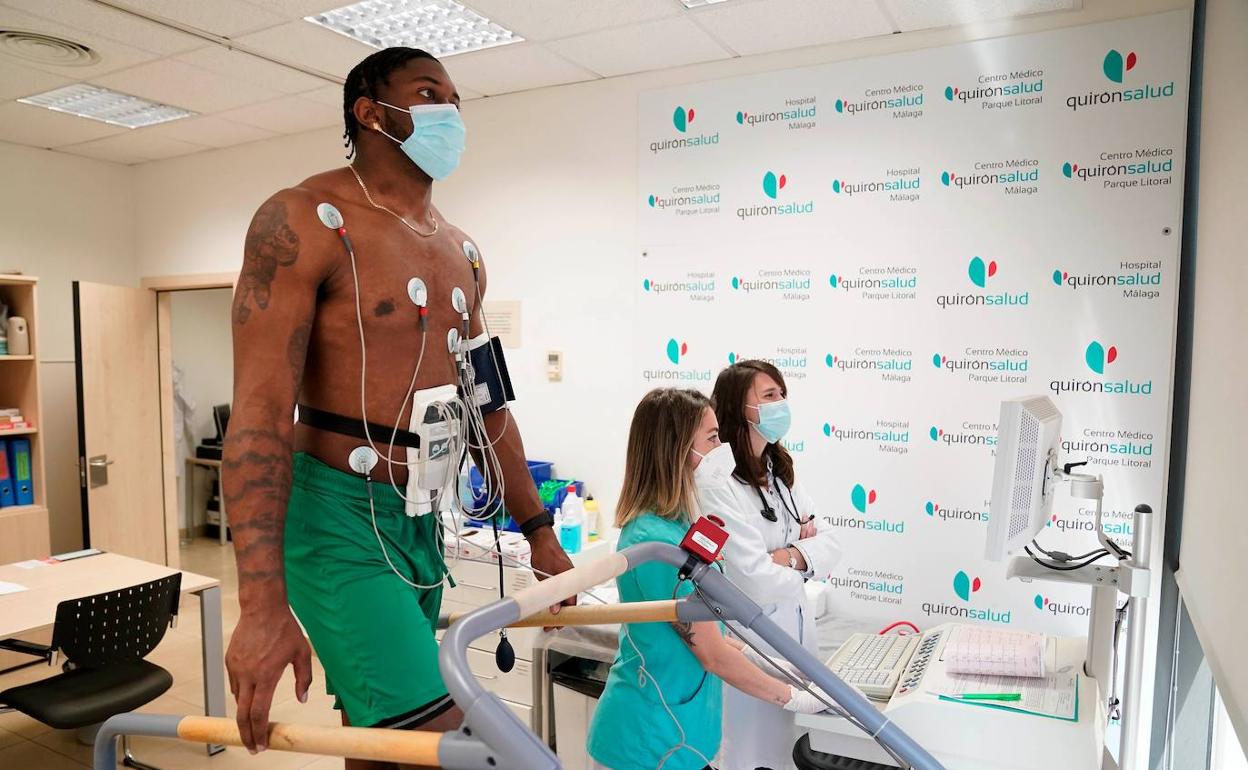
861	497
675	350
964	585
1137	279
1097	356
678	372
773	184
1115	65
681	118
1146	167
980	271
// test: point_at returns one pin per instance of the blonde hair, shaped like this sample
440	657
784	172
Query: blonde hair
657	478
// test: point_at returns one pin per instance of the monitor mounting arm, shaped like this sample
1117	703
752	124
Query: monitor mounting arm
1129	575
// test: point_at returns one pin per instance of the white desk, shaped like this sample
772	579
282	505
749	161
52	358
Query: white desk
35	608
965	737
214	465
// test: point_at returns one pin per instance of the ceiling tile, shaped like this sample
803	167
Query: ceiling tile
516	67
640	47
251	69
292	10
181	85
111	23
17	81
131	147
113	55
220	17
777	25
208	130
331	95
39	127
310	45
540	20
911	15
288	115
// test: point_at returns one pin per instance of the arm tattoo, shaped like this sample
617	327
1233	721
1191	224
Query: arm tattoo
256	475
685	632
297	352
271	243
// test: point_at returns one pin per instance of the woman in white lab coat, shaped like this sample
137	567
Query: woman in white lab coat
776	544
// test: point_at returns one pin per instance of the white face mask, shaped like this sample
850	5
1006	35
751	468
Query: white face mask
716	467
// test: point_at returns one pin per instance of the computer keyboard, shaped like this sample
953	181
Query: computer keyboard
873	663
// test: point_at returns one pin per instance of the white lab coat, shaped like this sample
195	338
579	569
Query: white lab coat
758	734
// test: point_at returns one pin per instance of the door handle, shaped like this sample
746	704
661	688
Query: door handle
97	470
477	586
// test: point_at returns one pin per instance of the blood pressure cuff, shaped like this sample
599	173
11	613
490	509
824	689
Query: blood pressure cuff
491	384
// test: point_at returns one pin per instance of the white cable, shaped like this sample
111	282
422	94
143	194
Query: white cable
372	510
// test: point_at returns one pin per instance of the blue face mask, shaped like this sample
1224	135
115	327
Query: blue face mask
773	420
437	138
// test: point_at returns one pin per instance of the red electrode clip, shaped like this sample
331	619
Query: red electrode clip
706	538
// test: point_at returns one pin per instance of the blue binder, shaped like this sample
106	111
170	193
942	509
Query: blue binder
6	477
20	469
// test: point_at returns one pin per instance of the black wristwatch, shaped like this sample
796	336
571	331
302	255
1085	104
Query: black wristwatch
532	525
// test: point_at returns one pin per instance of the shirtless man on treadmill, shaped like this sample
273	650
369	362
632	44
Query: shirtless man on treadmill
300	516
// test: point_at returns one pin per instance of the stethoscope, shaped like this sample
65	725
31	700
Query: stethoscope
769	513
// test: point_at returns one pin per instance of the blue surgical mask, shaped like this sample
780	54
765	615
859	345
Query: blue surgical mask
773	420
437	137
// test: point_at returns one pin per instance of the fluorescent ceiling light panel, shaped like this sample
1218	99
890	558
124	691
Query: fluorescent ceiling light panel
88	101
699	3
441	27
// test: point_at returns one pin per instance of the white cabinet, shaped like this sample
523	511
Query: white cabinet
476	584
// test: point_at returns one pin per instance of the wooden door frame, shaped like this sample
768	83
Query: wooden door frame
164	286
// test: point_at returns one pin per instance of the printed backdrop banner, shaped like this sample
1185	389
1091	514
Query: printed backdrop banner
911	239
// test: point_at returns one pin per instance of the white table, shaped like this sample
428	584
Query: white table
966	737
33	609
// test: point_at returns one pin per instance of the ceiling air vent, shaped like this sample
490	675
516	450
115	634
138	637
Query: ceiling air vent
46	49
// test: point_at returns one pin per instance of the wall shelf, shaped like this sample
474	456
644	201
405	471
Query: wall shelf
24	530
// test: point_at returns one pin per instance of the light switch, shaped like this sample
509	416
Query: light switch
554	366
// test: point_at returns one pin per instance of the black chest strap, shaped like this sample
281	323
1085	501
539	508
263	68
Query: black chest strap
351	426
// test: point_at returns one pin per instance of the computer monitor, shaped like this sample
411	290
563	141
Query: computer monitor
1024	476
221	417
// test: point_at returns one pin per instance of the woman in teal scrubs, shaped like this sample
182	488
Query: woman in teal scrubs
663	701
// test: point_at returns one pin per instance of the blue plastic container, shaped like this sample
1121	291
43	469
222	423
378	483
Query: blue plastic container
540	470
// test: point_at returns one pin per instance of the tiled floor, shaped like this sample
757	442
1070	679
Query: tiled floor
28	745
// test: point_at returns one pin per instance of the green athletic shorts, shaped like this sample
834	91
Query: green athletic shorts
372	632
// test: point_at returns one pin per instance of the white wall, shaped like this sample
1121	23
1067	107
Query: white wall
1213	571
204	352
64	218
548	190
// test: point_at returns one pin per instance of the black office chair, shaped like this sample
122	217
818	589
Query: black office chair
104	639
807	758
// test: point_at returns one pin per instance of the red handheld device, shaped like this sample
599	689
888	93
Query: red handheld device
706	538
